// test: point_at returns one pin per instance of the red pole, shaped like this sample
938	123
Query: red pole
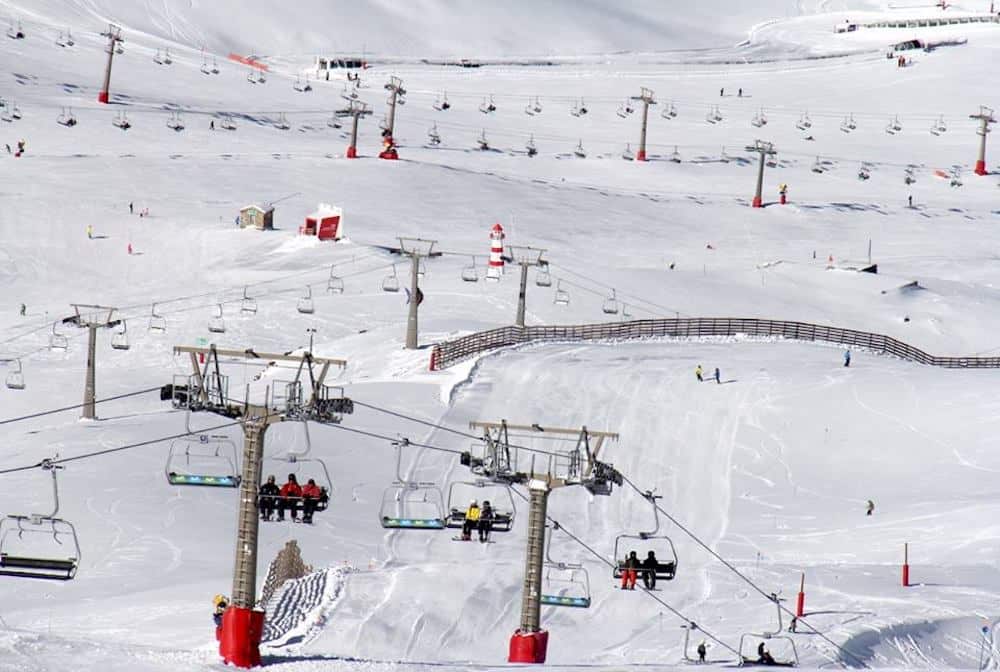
800	604
906	565
103	94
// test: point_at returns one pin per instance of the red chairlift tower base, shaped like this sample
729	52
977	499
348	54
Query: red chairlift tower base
239	636
528	647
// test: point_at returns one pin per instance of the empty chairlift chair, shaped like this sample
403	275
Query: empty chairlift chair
482	142
66	118
433	136
305	304
217	325
579	152
157	322
804	122
39	546
248	306
848	124
334	284
530	148
204	460
488	107
938	127
15	379
470	273
390	283
119	340
610	305
57	340
411	505
675	156
759	119
121	121
175	123
564	584
543	278
668	112
561	297
627	154
227	123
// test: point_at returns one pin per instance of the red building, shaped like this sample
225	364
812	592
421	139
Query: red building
326	223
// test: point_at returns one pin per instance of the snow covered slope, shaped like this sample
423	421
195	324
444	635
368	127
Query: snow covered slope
771	470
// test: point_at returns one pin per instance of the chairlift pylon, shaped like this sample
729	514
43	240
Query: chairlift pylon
15	379
411	505
21	540
217	325
305	304
157	322
390	283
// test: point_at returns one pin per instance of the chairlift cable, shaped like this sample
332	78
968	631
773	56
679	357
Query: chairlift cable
70	408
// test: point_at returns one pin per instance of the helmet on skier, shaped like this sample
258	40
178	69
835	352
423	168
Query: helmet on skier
473	503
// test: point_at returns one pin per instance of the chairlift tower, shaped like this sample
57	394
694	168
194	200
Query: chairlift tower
92	318
356	109
765	149
114	35
526	257
500	461
646	97
416	249
985	118
396	96
207	390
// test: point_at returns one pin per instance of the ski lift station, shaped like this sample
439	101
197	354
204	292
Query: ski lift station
257	217
326	223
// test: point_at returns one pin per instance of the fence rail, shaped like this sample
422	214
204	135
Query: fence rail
451	352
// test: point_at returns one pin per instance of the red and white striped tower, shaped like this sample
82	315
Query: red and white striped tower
495	269
985	118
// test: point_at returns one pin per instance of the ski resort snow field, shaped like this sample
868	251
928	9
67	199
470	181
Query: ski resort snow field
770	470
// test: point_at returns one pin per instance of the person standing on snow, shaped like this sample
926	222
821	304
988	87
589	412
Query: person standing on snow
718	376
871	508
219	603
702	651
24	310
90	231
847	358
698	373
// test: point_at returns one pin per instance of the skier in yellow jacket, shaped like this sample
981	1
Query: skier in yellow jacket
471	520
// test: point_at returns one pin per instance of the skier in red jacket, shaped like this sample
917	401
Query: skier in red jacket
310	497
290	493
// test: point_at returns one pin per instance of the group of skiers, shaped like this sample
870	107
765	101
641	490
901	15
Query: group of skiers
631	567
480	519
699	373
289	497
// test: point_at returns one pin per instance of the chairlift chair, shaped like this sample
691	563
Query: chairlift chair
621	111
575	110
445	105
537	107
529	109
119	340
157	58
349	94
333	121
748	640
666	570
941	126
227	123
897	125
217	324
15	379
543	278
530	146
723	157
433	136
627	154
564	584
470	273
668	112
21	539
15	112
390	283
204	66
248	306
297	84
175	123
411	505
66	118
675	157
282	123
481	141
203	459
305	304
251	78
334	284
121	121
60	41
307	87
864	172
610	305
304	465
504	508
908	175
817	166
561	297
6	114
119	47
58	341
15	33
848	125
488	107
215	66
261	79
157	322
582	109
579	150
166	57
383	123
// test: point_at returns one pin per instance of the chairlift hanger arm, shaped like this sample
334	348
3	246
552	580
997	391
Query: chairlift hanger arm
539	429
